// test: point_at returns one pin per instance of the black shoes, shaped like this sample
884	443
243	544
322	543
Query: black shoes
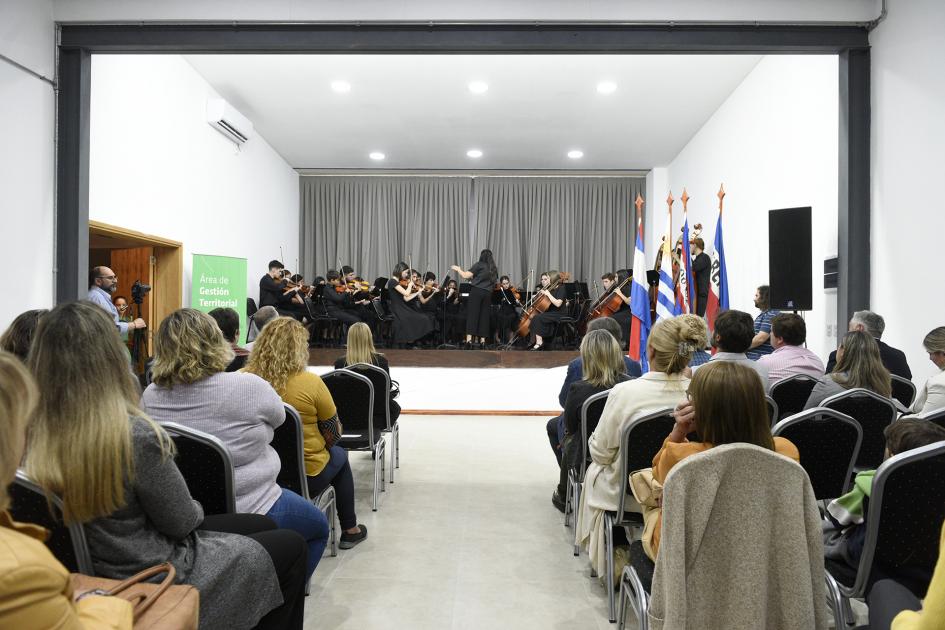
350	540
556	501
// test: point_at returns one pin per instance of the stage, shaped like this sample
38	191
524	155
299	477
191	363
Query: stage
470	382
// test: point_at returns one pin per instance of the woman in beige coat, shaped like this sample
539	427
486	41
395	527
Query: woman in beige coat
669	348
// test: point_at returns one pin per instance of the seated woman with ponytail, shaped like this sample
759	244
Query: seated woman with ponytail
669	349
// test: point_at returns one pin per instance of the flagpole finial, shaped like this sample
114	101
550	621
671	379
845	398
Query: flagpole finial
685	200
670	200
639	202
721	196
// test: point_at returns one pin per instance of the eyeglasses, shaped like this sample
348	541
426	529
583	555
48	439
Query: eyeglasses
109	277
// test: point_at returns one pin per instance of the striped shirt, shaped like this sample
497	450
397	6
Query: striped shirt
763	324
790	360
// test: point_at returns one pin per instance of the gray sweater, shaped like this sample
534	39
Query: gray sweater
234	574
824	389
241	410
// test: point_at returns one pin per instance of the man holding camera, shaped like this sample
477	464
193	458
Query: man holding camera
102	283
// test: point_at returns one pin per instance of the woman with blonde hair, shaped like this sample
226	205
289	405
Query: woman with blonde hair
858	365
113	467
280	357
602	367
35	591
726	405
669	348
361	350
932	396
191	387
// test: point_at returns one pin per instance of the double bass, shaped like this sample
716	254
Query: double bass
538	304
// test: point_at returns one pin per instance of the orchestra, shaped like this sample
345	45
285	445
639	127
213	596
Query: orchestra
477	309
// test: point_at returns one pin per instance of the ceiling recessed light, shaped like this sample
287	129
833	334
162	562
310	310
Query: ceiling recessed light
377	155
474	153
606	87
342	87
478	87
575	154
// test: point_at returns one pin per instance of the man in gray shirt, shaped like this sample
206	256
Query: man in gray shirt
732	337
102	283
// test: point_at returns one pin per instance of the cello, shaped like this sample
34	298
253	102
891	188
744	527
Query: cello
608	304
538	304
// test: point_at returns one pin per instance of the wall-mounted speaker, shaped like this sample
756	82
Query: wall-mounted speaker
789	259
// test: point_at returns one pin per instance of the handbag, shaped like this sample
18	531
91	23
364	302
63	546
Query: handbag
394	389
649	493
330	430
166	605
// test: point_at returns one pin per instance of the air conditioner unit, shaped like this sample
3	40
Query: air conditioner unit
225	119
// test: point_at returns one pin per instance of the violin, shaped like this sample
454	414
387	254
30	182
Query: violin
304	288
513	290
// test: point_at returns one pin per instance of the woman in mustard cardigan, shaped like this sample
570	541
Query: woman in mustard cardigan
35	591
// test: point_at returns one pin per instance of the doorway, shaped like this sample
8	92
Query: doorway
146	259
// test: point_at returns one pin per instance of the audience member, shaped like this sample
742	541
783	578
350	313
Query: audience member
669	349
788	336
699	357
229	322
113	467
17	338
361	350
874	325
761	343
191	388
847	514
280	357
726	405
35	591
602	366
263	316
858	365
932	396
732	337
894	606
102	283
124	314
555	426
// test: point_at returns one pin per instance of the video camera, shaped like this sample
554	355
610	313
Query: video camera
138	291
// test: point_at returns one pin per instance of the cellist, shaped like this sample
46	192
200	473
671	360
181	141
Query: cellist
543	324
623	315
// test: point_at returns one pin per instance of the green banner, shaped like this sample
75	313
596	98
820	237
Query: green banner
219	282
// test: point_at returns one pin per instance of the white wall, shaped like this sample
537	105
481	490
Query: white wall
156	166
27	125
773	143
908	133
635	10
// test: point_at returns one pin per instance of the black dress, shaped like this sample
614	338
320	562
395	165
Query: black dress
543	324
623	316
409	323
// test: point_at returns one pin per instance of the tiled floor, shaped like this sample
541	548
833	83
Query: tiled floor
465	538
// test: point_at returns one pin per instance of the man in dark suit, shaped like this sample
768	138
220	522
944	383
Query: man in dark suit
874	324
701	269
555	426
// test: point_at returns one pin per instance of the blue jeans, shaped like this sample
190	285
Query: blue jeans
290	511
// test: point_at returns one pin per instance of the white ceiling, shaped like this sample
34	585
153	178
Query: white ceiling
419	112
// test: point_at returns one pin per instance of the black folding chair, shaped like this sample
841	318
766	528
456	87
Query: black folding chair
591	410
791	394
772	410
206	466
937	416
287	441
380	381
874	413
903	390
903	525
353	395
640	441
29	504
829	443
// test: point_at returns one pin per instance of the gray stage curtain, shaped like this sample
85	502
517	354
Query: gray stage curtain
371	223
583	225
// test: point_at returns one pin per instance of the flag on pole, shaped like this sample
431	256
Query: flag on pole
639	298
666	297
718	277
684	301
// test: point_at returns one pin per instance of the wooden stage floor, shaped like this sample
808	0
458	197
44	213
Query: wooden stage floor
457	358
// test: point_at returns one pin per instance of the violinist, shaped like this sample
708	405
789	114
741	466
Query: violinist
510	305
338	301
362	296
623	316
482	276
543	324
274	291
455	310
409	324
